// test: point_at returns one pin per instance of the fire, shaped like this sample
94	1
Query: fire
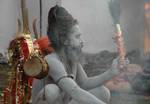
147	6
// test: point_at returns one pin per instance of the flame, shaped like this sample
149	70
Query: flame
147	6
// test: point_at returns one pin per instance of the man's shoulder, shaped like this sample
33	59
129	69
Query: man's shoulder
53	59
57	69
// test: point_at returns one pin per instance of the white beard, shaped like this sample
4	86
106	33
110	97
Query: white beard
74	54
70	57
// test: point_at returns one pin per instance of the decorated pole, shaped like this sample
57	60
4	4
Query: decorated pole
115	11
18	89
25	19
40	2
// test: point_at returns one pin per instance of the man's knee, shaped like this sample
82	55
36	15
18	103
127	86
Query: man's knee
107	92
102	93
52	92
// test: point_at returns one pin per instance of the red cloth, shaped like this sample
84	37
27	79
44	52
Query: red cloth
44	44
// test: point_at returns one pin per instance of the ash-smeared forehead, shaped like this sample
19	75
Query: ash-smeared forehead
75	30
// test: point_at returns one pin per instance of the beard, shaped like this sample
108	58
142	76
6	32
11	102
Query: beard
74	54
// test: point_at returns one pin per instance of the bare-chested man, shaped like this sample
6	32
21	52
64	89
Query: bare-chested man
67	82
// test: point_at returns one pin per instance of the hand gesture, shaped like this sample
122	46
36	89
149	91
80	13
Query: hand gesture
118	66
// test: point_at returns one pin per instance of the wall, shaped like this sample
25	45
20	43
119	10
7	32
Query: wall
93	16
8	16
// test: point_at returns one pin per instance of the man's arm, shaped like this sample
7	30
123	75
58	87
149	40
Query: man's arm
92	82
58	73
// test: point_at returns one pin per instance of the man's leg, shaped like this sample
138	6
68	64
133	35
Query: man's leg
101	93
49	95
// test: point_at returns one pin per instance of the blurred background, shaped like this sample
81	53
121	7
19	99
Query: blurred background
99	47
93	16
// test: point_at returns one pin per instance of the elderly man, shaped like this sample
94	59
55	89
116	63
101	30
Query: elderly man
67	82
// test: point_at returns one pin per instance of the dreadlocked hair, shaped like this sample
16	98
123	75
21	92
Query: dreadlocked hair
60	21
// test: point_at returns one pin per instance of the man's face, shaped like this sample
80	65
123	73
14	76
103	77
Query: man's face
75	44
74	37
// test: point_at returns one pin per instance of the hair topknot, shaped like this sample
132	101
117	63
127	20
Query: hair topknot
60	21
